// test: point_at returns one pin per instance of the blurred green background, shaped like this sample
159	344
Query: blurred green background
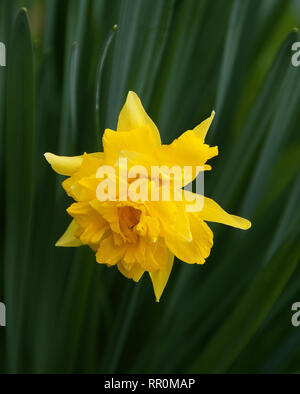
65	313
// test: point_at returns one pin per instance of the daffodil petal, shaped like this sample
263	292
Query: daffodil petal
140	139
212	212
173	219
160	278
196	251
64	165
135	273
133	115
67	165
187	150
202	129
109	252
92	225
82	184
68	239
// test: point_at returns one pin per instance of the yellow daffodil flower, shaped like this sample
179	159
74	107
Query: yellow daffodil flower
139	236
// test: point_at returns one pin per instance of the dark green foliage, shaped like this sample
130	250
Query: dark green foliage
184	58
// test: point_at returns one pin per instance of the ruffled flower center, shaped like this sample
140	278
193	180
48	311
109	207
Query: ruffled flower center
129	217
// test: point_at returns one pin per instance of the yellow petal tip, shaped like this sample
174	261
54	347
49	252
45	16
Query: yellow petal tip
63	165
47	156
241	223
68	239
248	225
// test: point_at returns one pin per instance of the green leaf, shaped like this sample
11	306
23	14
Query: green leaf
250	312
19	177
133	65
99	79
